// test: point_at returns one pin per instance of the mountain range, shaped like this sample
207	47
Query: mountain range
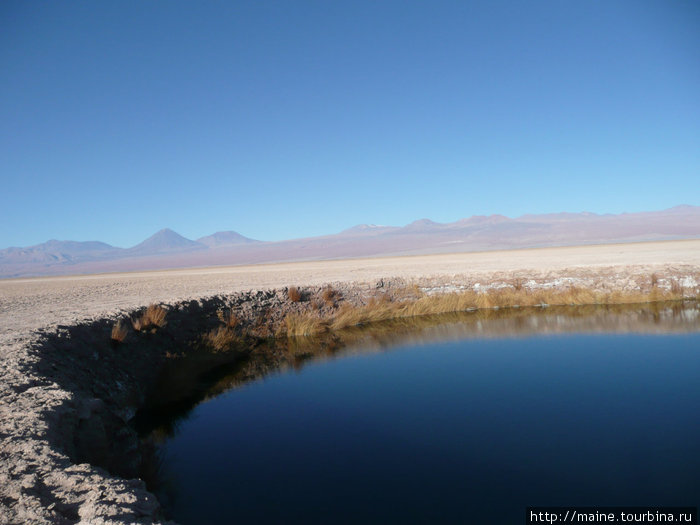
168	249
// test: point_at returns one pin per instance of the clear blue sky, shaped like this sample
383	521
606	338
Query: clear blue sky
297	118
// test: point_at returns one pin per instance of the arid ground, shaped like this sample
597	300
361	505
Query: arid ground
36	302
38	482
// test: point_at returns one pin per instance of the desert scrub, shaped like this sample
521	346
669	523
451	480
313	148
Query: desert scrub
119	332
518	283
152	317
229	318
302	324
676	287
384	307
220	339
654	280
294	294
330	295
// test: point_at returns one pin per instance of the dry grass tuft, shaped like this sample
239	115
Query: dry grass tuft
153	317
229	318
383	308
654	280
221	338
304	324
119	332
317	304
156	315
329	295
676	287
294	294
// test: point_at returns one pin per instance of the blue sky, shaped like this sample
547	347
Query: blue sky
290	119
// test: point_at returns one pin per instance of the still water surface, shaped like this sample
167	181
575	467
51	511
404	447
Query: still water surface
463	419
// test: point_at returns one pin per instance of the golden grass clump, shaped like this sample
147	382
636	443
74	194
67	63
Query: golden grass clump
382	308
294	294
676	287
221	338
152	317
303	324
119	332
575	295
229	318
654	280
329	295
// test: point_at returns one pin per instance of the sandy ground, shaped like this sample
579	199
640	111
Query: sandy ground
36	481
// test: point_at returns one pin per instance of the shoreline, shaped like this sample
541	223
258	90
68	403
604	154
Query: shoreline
63	382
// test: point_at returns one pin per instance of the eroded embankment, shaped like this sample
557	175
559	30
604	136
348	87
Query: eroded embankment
70	452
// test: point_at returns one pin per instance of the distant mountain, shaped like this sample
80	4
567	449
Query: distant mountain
76	247
421	225
481	220
371	229
227	238
54	251
168	249
165	241
681	208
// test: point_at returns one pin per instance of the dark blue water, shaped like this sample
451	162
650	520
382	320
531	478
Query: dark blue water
471	431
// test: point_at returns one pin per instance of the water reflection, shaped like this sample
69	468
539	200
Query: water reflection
189	381
475	413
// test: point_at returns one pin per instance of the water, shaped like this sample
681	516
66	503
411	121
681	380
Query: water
468	420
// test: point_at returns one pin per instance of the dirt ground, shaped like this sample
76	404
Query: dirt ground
39	484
